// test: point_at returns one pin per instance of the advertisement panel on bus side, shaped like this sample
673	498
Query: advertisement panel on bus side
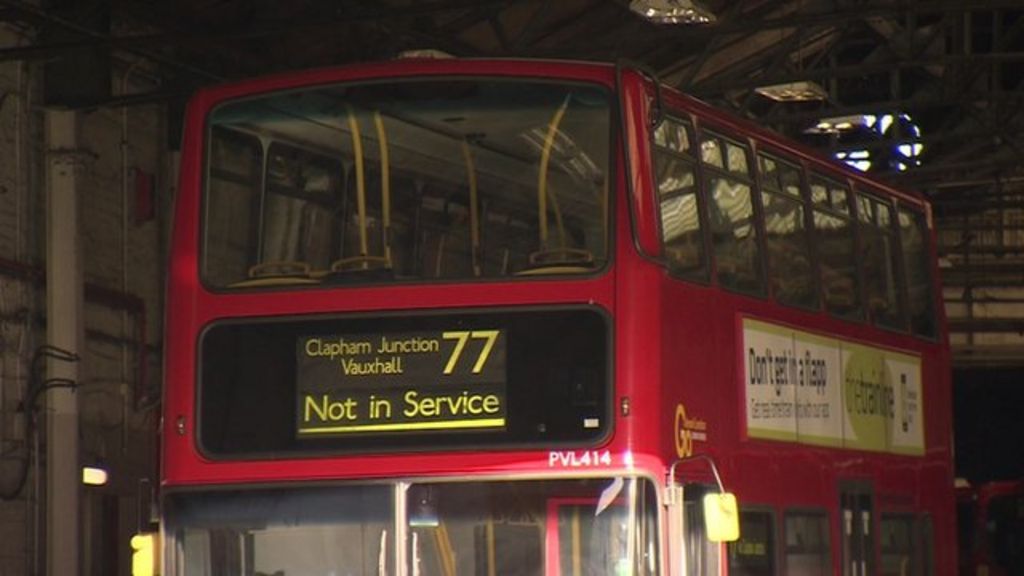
811	389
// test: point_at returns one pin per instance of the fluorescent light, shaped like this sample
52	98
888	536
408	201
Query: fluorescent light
673	11
802	91
859	159
910	150
94	476
884	124
837	124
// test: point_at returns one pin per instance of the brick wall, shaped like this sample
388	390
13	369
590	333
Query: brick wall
124	265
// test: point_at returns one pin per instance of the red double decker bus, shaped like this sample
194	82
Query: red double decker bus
990	518
448	317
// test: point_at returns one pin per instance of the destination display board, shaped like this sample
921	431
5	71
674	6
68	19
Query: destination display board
373	383
401	381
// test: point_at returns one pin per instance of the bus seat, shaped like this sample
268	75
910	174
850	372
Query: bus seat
277	273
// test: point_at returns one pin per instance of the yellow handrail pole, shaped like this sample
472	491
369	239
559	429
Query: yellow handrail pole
577	564
444	546
474	221
604	216
558	221
542	177
385	184
491	556
440	256
357	152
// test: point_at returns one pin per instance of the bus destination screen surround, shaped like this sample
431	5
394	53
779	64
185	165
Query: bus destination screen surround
398	381
338	384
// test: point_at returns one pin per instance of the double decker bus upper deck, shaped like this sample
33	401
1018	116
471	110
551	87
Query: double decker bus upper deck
516	317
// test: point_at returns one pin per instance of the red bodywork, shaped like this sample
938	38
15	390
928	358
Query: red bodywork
675	343
991	520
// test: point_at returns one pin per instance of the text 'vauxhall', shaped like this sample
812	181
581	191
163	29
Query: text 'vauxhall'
401	381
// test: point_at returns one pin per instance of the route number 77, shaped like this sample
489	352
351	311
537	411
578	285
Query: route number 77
463	336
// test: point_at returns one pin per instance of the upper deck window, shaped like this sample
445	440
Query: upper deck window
836	247
880	257
914	241
234	178
676	178
728	181
410	180
789	251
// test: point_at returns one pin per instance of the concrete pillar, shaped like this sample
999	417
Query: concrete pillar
65	331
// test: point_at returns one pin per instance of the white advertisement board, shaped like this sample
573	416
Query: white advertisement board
812	389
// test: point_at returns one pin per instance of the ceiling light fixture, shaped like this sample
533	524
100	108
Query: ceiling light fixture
839	124
801	91
673	11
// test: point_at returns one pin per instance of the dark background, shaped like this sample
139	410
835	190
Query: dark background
988	423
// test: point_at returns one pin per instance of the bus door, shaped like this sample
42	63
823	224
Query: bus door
702	556
582	543
856	517
577	527
605	537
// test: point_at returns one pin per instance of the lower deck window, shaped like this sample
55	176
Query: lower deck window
597	526
702	555
807	544
908	546
898	546
754	553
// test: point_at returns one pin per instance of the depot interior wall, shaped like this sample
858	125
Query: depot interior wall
122	252
982	256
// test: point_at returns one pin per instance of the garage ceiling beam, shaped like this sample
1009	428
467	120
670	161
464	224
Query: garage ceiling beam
38	16
823	74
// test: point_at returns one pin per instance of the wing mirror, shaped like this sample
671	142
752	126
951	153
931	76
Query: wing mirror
721	513
721	517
